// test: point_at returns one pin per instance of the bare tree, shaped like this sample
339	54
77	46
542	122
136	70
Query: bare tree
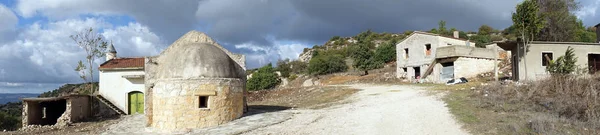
94	46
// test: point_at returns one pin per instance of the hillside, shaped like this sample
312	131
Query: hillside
14	97
342	44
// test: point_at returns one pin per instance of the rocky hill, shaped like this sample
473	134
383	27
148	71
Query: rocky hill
340	43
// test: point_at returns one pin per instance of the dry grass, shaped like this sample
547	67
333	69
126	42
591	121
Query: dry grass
558	105
306	97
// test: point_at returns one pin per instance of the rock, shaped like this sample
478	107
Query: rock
284	82
306	56
472	88
307	83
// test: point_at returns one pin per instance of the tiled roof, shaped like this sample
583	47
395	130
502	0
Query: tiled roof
123	63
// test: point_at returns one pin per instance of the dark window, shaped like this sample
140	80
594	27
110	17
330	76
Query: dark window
427	49
406	53
203	102
405	70
546	58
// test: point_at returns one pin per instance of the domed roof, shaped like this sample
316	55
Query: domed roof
196	60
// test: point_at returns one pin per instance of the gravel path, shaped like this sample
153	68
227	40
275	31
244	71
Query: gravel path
375	110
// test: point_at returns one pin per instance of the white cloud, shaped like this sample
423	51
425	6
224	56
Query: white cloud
262	55
44	52
8	19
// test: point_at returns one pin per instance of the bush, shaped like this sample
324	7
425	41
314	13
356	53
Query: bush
9	122
284	68
564	64
293	77
298	67
326	64
364	59
386	52
264	78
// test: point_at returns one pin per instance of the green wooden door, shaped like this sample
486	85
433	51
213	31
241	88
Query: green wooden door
136	102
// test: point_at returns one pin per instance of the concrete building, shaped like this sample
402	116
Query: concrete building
122	82
192	84
453	62
55	111
528	63
417	52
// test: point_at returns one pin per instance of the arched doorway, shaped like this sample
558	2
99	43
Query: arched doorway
136	102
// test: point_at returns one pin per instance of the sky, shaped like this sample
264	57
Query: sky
37	55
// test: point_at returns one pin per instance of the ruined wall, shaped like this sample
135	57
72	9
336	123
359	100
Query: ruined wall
471	67
176	103
79	107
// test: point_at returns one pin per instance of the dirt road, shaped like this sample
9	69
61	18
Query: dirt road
378	109
374	110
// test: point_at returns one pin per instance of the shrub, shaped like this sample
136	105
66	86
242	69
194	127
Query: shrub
386	52
564	64
283	67
293	77
363	58
326	64
9	122
264	78
298	67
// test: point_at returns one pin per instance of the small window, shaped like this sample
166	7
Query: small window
427	49
406	53
203	102
546	58
405	70
449	44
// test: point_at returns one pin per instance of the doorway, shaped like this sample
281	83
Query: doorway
136	102
417	72
593	63
447	71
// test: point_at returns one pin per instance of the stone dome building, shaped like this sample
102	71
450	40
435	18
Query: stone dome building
194	83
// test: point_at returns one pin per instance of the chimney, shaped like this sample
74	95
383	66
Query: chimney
111	53
456	35
597	33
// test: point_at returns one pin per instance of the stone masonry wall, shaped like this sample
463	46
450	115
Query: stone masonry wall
471	67
176	103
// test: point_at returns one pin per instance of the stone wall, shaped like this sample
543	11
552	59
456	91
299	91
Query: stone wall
176	103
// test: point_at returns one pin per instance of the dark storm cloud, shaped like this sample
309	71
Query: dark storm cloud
317	20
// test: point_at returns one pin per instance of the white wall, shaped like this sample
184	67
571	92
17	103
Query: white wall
115	88
416	52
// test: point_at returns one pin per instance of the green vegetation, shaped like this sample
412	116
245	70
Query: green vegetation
364	58
10	116
386	52
326	64
94	46
264	78
82	88
564	64
527	20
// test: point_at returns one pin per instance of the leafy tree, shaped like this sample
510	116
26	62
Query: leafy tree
363	58
564	64
485	30
284	68
560	22
442	28
481	40
326	64
8	122
526	19
584	35
264	78
298	67
386	52
94	46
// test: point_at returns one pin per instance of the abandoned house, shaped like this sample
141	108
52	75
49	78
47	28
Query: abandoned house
56	110
452	58
529	63
194	83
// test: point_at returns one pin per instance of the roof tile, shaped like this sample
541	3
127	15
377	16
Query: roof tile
123	63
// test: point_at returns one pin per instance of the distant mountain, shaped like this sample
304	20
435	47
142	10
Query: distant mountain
15	97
